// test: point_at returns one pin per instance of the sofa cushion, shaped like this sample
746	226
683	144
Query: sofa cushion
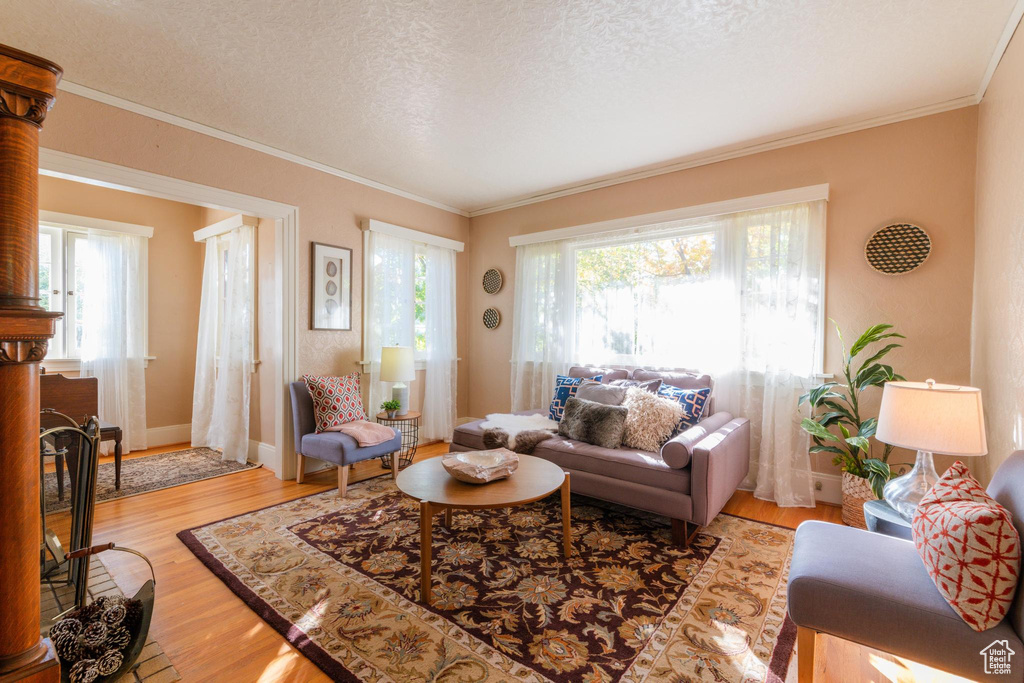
650	421
678	450
625	464
471	434
602	393
683	380
607	374
342	449
565	388
874	590
650	385
593	423
692	402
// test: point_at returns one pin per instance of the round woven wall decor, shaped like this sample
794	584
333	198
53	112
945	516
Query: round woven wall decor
898	248
492	281
492	318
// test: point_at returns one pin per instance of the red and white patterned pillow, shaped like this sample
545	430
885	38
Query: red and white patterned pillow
336	400
969	547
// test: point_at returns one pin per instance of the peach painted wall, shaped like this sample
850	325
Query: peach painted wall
330	208
997	364
920	170
175	283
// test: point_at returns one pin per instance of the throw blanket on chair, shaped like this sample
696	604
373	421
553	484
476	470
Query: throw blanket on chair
518	433
365	433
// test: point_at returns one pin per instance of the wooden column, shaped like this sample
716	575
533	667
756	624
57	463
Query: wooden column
28	85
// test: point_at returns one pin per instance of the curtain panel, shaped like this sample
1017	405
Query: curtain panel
391	320
114	334
738	296
224	348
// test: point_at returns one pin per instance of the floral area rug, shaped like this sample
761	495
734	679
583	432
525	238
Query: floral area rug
150	473
340	580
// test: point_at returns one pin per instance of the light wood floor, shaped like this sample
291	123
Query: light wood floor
210	635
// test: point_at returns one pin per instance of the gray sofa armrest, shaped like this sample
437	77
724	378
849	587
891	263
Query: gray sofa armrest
719	463
678	450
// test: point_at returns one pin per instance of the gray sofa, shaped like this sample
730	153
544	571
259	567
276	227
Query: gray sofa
333	447
688	481
873	589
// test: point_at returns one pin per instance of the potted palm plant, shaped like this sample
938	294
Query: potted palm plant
837	426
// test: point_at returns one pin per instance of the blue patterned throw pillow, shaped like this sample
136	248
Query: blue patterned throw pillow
692	401
565	388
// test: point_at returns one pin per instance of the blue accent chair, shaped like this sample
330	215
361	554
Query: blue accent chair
333	447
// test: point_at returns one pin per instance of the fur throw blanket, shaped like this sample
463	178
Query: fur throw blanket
518	433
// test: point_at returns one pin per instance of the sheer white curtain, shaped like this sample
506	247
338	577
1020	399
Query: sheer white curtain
441	369
391	321
114	333
224	353
542	321
779	291
390	304
735	295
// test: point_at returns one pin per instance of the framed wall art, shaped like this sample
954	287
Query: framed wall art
330	296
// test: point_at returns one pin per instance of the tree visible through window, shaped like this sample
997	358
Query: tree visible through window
420	300
622	290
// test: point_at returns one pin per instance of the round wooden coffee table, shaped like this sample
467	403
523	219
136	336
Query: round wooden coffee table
437	491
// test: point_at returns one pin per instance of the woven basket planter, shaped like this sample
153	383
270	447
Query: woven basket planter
856	492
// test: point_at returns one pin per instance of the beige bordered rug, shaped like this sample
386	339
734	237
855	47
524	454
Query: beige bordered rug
340	580
148	473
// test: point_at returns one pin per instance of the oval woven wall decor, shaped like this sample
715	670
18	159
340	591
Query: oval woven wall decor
492	318
898	249
493	281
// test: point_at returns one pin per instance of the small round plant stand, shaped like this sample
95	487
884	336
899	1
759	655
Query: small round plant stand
409	427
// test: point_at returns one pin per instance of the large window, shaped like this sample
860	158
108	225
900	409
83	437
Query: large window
631	296
63	254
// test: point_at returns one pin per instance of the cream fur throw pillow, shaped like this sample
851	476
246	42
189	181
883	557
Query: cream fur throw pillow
650	420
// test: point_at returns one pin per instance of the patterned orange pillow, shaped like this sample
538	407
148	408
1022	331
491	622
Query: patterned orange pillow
969	547
336	400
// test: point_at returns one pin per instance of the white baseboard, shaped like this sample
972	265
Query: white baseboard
827	488
265	454
831	488
171	434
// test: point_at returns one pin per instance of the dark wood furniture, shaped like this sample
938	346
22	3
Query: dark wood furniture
28	86
79	398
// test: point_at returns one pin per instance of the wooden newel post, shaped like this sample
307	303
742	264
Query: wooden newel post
28	85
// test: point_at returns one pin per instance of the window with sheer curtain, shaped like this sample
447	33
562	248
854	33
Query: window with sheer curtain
410	301
739	296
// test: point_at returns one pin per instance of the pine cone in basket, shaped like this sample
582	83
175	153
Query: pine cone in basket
66	644
85	671
94	635
118	638
110	662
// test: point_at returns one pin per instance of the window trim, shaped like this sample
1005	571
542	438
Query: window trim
799	195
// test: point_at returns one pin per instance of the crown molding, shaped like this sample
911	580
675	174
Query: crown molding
1004	41
701	159
143	110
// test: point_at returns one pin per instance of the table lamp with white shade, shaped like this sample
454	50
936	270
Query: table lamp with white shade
929	418
397	365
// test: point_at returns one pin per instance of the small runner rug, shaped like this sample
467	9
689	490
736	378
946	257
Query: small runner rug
149	473
340	580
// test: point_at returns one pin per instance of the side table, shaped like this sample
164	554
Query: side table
409	427
882	519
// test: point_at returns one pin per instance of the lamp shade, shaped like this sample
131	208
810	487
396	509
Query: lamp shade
936	418
396	364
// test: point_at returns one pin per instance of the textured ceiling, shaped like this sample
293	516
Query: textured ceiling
474	103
